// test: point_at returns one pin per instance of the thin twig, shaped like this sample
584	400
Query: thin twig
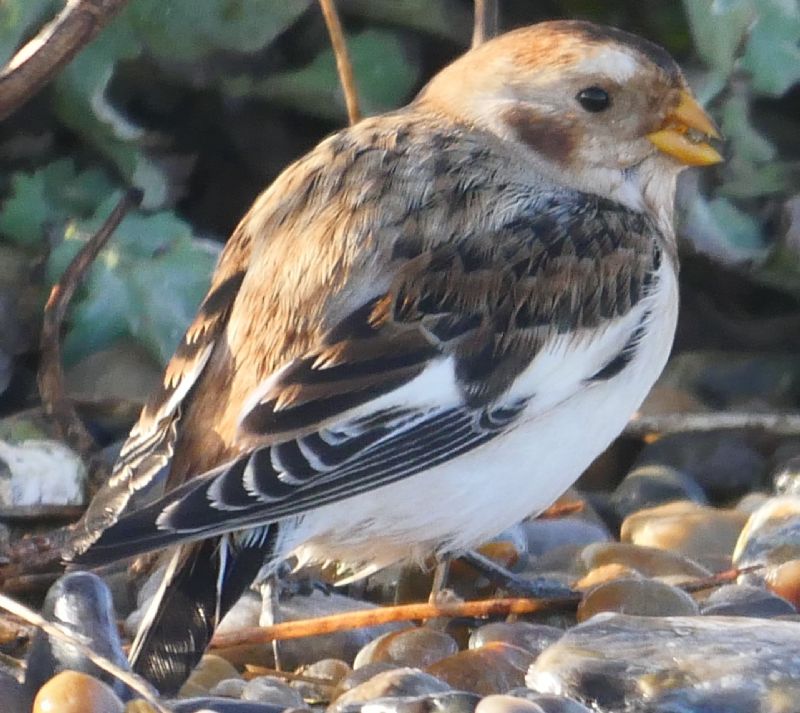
385	615
57	632
56	44
51	374
343	64
718	579
253	670
782	424
487	21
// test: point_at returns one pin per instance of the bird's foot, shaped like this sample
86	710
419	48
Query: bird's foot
537	587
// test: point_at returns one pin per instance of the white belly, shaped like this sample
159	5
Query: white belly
465	501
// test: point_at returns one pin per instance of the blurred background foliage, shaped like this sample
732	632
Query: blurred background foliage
201	105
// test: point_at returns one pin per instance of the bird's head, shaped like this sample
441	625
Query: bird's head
600	109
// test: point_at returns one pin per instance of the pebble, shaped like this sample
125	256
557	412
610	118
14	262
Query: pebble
211	704
76	692
771	534
522	634
721	463
268	689
648	561
704	534
229	688
603	573
208	673
493	668
80	602
416	647
654	484
40	472
784	580
329	672
639	596
341	645
618	662
449	702
746	600
544	536
549	703
398	682
503	703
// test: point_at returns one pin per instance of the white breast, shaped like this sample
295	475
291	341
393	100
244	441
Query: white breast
458	504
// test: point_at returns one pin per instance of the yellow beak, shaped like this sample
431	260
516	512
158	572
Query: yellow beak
674	139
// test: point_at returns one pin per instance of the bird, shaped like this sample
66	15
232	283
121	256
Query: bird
420	333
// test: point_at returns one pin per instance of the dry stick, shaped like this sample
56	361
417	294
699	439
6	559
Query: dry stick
487	21
51	375
783	424
385	615
57	632
343	64
57	43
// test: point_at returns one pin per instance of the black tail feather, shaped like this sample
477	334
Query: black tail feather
205	581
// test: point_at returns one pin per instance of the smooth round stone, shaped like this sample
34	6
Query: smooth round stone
771	534
659	664
208	673
416	647
268	689
450	702
341	645
650	485
76	692
503	703
493	668
634	595
784	580
330	673
649	561
746	600
722	464
81	602
229	688
212	704
786	479
544	536
139	705
751	502
356	678
602	574
704	534
548	703
523	634
397	682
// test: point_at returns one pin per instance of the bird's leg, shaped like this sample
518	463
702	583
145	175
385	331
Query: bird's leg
540	587
440	573
270	608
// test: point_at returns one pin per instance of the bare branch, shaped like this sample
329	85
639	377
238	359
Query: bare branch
385	615
343	64
487	21
55	45
782	424
51	374
57	632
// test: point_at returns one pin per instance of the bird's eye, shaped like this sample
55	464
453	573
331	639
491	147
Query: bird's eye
594	99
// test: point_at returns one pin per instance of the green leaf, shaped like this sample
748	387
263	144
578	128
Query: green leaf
719	228
442	18
146	283
47	197
187	30
718	27
773	47
385	75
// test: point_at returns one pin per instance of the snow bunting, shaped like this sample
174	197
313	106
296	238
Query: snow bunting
421	333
